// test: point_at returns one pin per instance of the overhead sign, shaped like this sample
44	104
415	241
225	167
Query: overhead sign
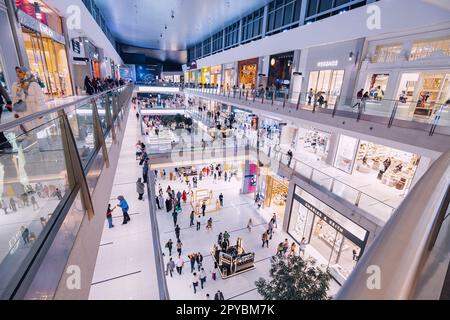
330	63
193	65
32	23
76	46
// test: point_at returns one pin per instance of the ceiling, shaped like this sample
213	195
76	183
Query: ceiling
141	23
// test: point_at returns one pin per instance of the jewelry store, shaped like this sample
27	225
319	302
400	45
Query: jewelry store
339	241
46	47
248	72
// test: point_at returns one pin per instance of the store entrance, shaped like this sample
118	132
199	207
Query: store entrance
48	61
327	83
275	195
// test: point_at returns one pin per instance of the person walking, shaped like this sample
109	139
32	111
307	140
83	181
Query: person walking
184	196
194	281
199	260
220	239
302	247
158	204
170	267
169	246
249	225
285	246
34	203
199	222
265	239
13	204
221	199
109	212
202	277
179	265
192	259
274	220
293	249
270	229
175	216
280	249
203	208
359	97
310	96
177	232
145	172
226	237
191	218
25	235
209	224
179	195
140	189
124	205
179	247
219	295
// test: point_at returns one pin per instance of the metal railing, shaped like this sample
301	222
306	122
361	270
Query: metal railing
187	141
406	253
42	175
430	117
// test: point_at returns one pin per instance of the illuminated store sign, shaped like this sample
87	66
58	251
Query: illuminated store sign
331	63
32	23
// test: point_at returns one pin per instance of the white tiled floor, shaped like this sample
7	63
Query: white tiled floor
125	266
233	217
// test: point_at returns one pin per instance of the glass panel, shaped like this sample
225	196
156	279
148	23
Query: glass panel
32	184
375	207
345	192
81	122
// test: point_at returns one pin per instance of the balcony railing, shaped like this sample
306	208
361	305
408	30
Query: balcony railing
43	182
433	117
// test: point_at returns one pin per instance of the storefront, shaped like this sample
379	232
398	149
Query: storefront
206	75
45	47
248	72
338	240
376	85
216	76
313	141
346	153
280	71
228	74
331	70
273	192
424	92
394	168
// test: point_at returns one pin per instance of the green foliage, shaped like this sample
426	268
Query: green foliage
294	279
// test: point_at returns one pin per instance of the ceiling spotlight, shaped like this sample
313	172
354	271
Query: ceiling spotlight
173	14
161	35
165	27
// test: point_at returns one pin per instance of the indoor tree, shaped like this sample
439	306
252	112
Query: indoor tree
294	278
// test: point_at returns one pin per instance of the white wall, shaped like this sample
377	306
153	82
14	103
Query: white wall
89	27
348	26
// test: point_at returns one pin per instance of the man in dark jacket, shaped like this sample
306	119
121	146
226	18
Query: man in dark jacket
219	295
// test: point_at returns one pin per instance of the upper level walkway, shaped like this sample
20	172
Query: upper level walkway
370	121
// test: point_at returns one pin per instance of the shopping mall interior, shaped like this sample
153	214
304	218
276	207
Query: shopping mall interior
224	150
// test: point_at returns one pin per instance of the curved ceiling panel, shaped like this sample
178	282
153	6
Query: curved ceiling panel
142	22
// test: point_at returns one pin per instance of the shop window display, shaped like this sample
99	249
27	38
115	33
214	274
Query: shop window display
393	168
376	86
315	141
338	240
248	75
